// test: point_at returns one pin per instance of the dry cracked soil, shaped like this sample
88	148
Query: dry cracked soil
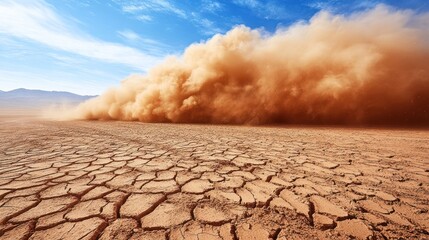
124	180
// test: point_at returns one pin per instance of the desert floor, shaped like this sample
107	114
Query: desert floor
122	180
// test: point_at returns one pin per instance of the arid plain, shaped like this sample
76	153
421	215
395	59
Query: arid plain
127	180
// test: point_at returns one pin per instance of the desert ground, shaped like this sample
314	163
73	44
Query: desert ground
130	180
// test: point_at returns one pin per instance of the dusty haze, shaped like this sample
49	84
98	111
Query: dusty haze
367	68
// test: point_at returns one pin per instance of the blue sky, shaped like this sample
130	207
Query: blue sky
86	46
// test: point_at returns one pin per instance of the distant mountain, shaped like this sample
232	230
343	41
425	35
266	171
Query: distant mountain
23	99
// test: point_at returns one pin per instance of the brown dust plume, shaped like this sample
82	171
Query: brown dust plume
370	67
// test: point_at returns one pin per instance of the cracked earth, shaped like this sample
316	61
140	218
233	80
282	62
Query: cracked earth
122	180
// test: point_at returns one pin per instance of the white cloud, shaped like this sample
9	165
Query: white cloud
211	6
338	6
144	11
150	46
150	6
248	3
319	5
129	35
144	18
208	27
204	25
265	9
37	21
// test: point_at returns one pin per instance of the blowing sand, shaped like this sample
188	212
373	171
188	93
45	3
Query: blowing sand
369	67
117	180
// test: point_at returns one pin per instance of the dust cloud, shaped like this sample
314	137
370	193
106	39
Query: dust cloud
368	67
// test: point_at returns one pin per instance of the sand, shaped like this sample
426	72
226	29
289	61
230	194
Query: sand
127	180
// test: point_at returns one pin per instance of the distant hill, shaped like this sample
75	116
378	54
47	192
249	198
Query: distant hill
22	100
